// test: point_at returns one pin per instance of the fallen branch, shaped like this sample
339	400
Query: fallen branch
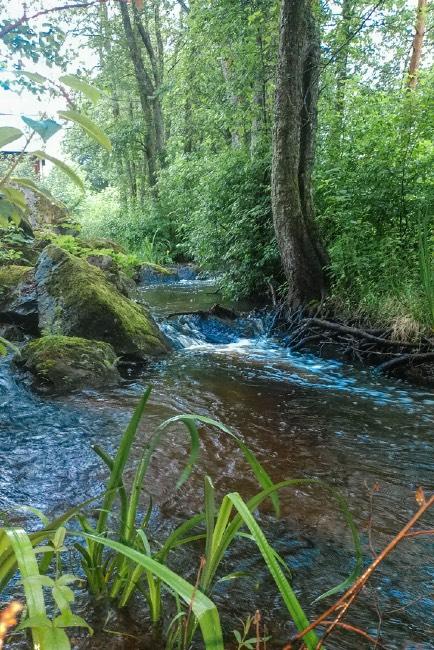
406	359
341	607
354	331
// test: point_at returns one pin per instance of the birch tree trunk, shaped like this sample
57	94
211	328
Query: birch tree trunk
416	53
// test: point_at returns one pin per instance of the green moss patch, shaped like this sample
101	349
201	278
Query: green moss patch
76	299
63	363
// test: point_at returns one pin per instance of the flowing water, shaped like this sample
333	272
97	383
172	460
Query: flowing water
303	416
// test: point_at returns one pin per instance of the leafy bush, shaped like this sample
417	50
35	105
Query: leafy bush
101	215
222	207
372	184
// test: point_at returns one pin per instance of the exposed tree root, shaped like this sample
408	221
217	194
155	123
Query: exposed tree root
367	346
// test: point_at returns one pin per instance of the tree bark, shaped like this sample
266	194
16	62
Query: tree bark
259	113
146	90
157	66
416	54
303	256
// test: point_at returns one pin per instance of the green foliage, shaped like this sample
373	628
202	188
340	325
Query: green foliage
221	204
48	634
127	262
142	232
373	180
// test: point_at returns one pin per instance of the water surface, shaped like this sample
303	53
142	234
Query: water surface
303	416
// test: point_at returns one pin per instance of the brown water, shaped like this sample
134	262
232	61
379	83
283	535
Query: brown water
302	416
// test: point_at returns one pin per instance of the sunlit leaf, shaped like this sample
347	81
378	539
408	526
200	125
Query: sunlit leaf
92	129
26	182
9	134
76	83
62	166
34	76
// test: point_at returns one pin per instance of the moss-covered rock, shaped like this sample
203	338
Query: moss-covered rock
63	363
150	273
76	299
18	300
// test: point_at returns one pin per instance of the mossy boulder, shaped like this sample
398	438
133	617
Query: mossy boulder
155	274
101	244
76	299
18	299
64	363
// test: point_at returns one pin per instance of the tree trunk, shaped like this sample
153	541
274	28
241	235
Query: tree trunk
302	254
234	101
259	114
156	60
416	54
146	90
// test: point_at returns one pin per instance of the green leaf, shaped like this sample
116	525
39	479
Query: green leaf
15	196
45	128
62	166
77	83
89	126
189	421
68	619
28	566
7	211
26	182
35	511
34	76
202	607
9	134
290	599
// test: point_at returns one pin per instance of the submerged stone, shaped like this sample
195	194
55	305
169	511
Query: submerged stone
18	300
76	299
63	363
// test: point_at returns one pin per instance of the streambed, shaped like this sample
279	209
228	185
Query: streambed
302	416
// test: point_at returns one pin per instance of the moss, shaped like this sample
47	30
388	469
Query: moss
157	268
12	275
10	279
76	299
63	362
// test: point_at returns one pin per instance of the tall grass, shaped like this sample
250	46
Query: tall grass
120	561
426	260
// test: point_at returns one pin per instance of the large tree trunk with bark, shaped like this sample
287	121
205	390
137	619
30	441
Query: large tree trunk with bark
303	256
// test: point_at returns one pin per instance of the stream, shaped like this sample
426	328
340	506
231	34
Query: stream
369	436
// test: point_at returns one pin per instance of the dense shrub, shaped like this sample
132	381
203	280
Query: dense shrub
221	205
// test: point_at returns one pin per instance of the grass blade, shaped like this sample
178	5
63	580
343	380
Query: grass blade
202	607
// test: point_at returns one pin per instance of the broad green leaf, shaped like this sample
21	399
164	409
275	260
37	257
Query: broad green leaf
26	182
7	211
28	567
89	126
9	134
62	166
290	599
34	76
68	619
45	128
15	196
35	511
77	83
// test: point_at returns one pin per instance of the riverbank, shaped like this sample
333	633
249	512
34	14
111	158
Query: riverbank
382	348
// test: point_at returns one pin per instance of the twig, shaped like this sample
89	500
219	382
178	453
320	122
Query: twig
345	601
